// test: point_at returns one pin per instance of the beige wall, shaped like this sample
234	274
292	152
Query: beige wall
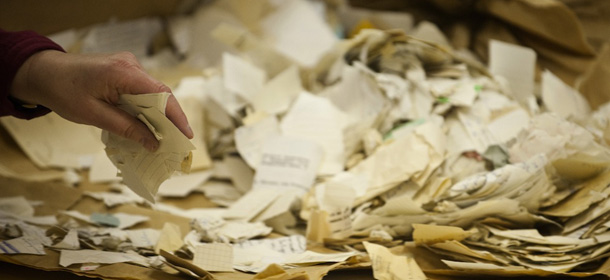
50	16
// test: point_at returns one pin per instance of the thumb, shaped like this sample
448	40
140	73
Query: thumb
119	122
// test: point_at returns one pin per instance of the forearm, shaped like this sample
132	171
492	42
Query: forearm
15	49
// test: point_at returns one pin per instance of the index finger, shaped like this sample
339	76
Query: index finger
174	113
139	82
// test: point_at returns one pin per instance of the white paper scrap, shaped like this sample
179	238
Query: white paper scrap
310	257
297	31
102	169
125	220
144	238
288	163
277	94
293	244
242	77
16	205
182	185
249	140
318	120
251	204
22	245
133	36
561	98
112	199
37	220
517	64
69	257
70	241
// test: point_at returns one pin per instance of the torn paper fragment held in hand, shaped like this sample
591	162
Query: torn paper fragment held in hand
144	171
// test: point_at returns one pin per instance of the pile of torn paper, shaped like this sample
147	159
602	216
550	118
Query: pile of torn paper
313	149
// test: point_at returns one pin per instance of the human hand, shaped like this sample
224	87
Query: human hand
85	89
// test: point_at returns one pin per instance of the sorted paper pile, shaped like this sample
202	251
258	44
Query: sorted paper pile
390	151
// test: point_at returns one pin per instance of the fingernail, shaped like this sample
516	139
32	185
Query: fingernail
149	145
190	130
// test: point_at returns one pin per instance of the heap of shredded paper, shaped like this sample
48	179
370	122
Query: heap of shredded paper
372	151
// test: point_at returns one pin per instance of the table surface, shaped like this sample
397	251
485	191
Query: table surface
9	271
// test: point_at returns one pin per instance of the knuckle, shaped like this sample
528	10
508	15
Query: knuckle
160	87
129	131
126	55
123	60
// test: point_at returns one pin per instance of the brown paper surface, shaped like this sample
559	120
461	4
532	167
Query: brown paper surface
70	198
50	262
595	85
548	19
595	19
275	272
549	27
56	196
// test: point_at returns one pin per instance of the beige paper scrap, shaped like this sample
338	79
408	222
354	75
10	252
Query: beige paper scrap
233	231
51	141
428	31
337	200
311	257
170	238
351	16
142	170
14	163
507	126
387	266
214	257
430	234
478	131
279	206
236	169
318	226
193	108
219	192
417	153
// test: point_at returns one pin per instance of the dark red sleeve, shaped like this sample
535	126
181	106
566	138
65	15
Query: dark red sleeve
15	49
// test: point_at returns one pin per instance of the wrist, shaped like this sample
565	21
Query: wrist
28	86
